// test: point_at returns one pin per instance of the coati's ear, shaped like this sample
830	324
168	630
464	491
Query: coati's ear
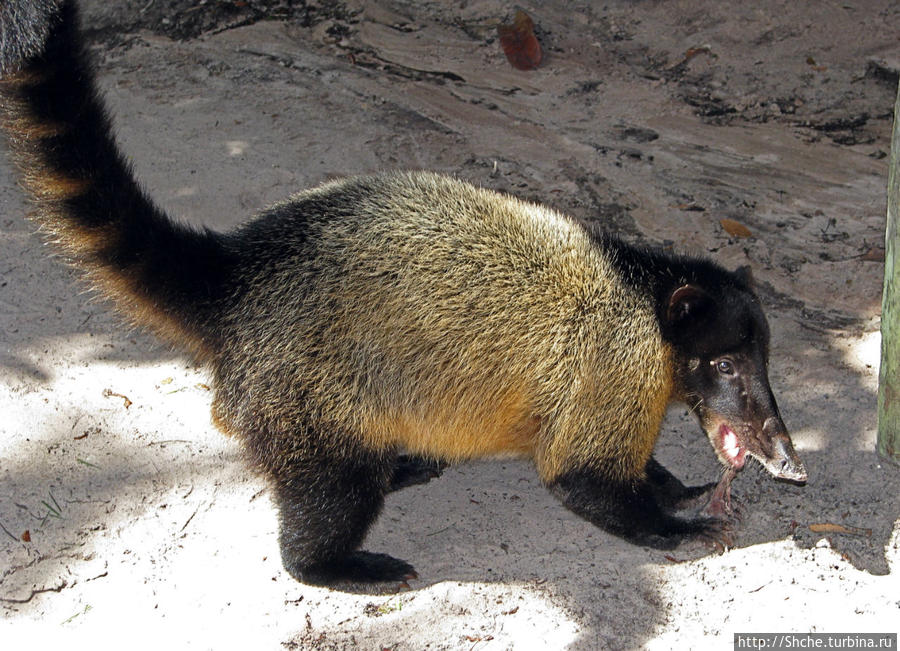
687	304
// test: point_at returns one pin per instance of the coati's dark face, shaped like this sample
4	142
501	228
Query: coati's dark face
721	345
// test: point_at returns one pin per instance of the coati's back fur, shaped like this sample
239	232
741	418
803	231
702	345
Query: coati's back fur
426	314
405	312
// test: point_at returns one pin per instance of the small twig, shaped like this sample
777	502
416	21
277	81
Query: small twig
55	503
8	533
189	520
87	607
59	588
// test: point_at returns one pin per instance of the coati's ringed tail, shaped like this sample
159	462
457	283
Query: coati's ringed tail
159	273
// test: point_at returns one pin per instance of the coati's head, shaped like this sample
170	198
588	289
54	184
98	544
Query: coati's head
721	342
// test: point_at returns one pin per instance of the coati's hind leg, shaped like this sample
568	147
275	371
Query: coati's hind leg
630	509
410	470
326	504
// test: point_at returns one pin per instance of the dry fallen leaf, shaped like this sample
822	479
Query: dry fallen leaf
519	42
26	537
830	527
690	53
109	393
735	228
874	254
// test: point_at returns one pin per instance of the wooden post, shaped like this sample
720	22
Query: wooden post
889	376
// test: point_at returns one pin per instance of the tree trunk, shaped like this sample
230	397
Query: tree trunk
889	376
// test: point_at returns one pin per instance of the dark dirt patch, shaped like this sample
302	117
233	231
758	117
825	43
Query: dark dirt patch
187	19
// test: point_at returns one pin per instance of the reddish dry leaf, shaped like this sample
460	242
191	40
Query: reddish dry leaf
26	537
874	254
735	229
109	393
694	51
830	527
519	42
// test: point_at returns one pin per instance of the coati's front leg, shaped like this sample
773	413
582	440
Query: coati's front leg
631	510
670	492
326	503
673	494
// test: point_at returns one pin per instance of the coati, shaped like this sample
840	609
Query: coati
404	313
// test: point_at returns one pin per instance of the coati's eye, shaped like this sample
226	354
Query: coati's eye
725	367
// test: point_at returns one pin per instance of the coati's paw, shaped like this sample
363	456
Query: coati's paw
668	533
410	470
664	542
357	567
716	533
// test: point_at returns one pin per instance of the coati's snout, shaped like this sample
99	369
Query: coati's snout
739	414
784	463
770	445
722	374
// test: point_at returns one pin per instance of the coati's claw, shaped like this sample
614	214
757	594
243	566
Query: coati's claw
357	567
717	534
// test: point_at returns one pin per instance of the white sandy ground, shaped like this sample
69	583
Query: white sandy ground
147	530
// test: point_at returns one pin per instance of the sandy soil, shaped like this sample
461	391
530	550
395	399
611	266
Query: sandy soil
128	521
